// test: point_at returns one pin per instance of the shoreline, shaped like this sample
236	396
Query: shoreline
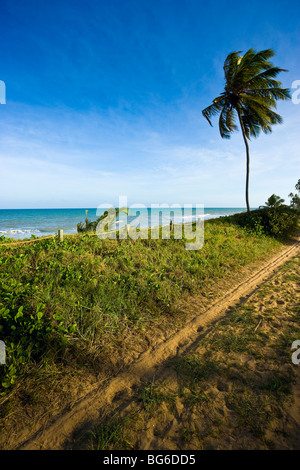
20	233
21	230
8	241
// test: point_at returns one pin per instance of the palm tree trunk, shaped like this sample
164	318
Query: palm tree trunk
248	159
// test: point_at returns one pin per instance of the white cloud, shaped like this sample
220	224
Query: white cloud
63	159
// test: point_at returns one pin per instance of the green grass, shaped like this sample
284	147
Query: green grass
69	301
278	383
110	435
223	388
193	375
252	410
233	341
152	395
194	368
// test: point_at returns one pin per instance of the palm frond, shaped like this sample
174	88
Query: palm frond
265	100
257	61
213	109
251	124
262	116
252	63
270	72
276	93
227	122
230	65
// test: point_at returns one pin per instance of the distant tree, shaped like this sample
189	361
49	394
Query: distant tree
251	92
295	198
274	201
88	226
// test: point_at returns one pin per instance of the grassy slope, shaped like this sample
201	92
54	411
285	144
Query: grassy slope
235	390
65	305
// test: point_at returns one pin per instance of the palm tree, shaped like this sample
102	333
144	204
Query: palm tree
251	92
274	201
295	202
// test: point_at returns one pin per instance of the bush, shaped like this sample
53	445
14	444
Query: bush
89	226
279	222
27	337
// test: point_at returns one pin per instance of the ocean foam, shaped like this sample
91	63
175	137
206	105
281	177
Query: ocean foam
21	231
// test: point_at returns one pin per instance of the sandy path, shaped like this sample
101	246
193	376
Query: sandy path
110	395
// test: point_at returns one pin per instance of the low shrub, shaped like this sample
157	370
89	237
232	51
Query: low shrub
279	222
27	337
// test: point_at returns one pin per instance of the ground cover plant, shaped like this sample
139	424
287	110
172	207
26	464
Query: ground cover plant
58	297
80	305
236	388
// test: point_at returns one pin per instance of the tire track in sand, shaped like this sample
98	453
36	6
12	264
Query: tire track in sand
109	395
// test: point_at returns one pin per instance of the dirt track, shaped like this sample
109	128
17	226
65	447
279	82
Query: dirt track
108	396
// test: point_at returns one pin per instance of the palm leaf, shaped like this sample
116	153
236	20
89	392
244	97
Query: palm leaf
231	65
213	109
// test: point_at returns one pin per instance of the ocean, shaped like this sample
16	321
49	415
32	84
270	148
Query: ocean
22	223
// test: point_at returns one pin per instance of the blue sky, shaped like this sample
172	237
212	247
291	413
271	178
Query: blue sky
104	98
